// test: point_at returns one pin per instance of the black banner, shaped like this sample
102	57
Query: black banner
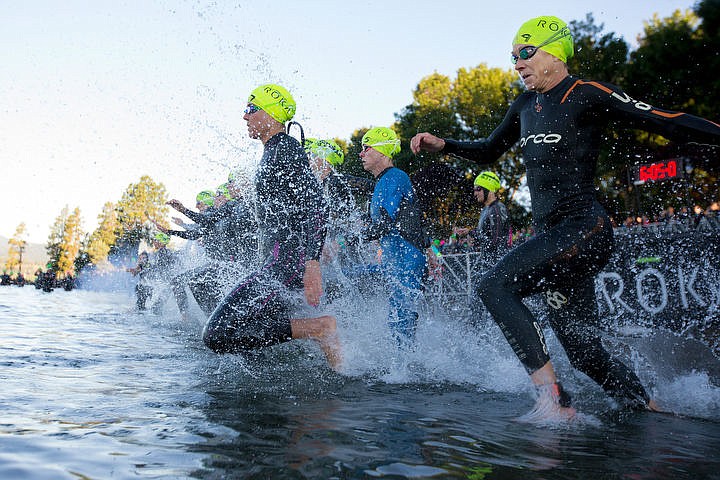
665	275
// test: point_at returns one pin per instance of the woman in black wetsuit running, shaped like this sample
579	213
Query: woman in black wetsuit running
558	123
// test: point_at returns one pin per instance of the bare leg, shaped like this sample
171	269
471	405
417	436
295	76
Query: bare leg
324	331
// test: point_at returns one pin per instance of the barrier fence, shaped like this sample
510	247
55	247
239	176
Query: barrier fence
665	275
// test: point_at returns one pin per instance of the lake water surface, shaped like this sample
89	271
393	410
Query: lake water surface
94	390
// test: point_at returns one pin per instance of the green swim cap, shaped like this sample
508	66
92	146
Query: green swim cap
383	140
163	238
223	190
328	150
206	197
488	180
274	100
548	33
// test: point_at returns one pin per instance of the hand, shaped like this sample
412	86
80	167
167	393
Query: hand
312	281
461	231
159	227
178	221
176	204
426	142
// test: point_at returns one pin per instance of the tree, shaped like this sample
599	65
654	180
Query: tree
464	108
669	45
104	236
677	46
16	248
598	55
140	203
64	241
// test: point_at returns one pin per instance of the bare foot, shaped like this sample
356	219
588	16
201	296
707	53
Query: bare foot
552	406
653	407
324	331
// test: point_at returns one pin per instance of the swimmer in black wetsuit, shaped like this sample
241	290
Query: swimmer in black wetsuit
228	231
558	123
343	215
292	226
490	237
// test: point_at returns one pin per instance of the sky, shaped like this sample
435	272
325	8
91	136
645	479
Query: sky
97	93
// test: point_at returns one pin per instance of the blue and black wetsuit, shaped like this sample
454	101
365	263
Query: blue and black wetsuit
397	224
560	134
292	227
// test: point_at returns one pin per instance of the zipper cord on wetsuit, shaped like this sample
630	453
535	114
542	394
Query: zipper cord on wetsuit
302	132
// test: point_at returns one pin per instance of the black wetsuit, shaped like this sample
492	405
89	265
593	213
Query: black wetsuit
560	134
292	225
491	235
343	217
229	234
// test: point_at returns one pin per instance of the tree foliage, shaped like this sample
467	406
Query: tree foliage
466	107
140	203
104	236
16	248
65	241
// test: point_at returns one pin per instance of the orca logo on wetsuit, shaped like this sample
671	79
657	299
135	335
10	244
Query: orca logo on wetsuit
541	138
555	299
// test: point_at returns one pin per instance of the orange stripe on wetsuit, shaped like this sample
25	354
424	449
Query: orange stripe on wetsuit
607	90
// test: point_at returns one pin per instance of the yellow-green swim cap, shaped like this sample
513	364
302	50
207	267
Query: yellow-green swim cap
223	190
274	100
488	180
328	150
548	33
383	140
162	238
206	197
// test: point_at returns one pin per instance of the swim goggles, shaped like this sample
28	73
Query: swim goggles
527	53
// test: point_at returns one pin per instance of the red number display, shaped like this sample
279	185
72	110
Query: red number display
658	171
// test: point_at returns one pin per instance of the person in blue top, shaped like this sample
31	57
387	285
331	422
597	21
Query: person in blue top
397	224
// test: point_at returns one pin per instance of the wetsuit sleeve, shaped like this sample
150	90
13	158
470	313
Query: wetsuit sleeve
493	227
304	197
676	126
379	227
489	149
204	219
193	234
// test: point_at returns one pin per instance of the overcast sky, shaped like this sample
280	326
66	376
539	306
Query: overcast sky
98	93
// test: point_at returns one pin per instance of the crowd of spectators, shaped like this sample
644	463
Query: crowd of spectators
459	244
686	215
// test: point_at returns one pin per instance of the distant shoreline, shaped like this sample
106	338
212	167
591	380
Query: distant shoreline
34	256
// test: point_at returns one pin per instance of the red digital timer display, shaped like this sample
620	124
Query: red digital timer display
653	172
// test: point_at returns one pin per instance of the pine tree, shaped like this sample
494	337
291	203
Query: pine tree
64	241
16	248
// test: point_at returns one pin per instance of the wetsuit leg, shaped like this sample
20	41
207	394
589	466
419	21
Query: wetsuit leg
142	292
573	317
254	314
571	252
205	286
177	283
